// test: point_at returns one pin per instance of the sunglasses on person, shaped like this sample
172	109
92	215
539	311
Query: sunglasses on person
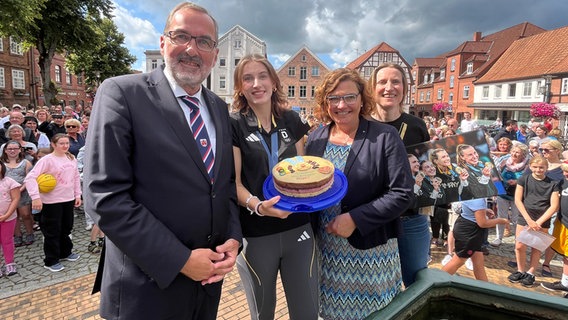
71	126
544	150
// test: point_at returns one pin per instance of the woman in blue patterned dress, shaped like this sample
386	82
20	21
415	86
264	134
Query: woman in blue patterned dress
360	264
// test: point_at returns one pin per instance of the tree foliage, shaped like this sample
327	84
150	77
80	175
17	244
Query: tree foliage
104	58
52	26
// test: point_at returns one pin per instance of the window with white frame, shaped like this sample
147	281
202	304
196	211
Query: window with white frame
466	92
498	89
58	74
469	68
302	91
16	47
315	71
222	62
80	79
440	95
18	80
527	89
291	71
451	98
432	78
453	64
443	73
238	44
222	82
512	90
425	78
2	78
485	92
304	58
291	91
68	77
422	96
1	44
313	91
564	86
452	78
303	73
237	61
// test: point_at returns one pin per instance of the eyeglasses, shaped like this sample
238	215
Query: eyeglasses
57	117
183	39
544	150
349	99
71	126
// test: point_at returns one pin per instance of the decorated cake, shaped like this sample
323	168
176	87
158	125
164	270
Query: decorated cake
303	176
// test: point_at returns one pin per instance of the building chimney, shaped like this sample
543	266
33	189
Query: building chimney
477	36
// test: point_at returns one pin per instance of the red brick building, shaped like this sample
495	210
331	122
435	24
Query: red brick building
299	76
20	80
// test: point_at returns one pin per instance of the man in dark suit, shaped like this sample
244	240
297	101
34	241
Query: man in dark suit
172	228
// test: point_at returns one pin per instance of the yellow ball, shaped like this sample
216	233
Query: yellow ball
46	182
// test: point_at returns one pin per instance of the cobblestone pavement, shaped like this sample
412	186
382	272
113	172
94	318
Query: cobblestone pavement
36	293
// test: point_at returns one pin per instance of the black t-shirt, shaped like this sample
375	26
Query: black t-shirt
412	130
289	129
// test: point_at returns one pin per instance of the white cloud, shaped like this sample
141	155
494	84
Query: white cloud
139	34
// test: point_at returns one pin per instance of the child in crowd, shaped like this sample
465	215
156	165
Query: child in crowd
560	244
469	236
9	199
17	167
56	206
537	198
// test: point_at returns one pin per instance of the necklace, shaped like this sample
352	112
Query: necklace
342	139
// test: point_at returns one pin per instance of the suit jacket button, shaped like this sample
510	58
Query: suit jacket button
213	195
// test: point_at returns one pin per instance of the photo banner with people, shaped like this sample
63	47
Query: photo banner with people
455	168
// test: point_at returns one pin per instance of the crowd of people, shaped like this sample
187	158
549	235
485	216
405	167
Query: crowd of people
528	160
30	138
169	242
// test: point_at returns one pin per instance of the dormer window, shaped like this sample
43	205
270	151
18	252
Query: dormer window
470	68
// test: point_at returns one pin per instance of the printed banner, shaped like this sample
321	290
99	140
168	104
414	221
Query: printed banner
455	168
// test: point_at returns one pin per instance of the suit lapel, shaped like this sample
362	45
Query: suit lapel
357	144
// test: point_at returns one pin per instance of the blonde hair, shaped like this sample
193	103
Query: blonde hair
538	160
553	144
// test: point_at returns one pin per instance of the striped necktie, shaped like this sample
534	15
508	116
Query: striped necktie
200	133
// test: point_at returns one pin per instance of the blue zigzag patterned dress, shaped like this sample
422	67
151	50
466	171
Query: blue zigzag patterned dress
354	283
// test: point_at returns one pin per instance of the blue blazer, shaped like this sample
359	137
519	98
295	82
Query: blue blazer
148	190
380	184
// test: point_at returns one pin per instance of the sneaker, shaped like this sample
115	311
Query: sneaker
446	259
29	239
101	242
434	243
11	269
528	280
554	286
72	257
516	276
93	247
496	242
18	241
469	264
55	268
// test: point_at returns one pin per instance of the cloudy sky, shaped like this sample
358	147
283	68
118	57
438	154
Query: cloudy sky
338	31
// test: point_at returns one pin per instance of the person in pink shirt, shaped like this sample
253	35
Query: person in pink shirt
9	199
56	220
